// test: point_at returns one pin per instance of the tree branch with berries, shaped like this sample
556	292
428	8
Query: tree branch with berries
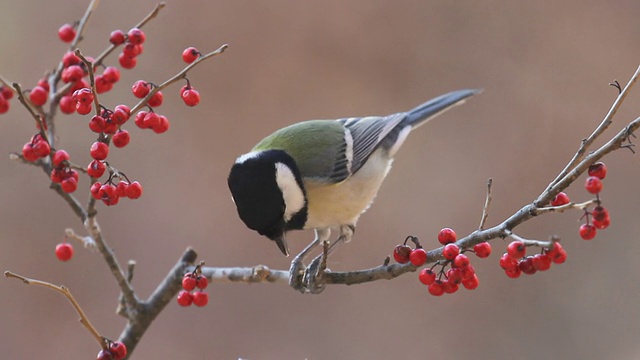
76	85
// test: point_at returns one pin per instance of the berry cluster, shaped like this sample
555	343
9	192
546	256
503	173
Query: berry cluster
114	351
515	261
444	281
133	47
598	219
36	148
62	173
190	282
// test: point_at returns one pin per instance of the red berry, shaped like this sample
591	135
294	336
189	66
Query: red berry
83	109
185	298
105	355
516	249
471	283
163	126
418	257
436	288
139	119
108	194
97	123
151	120
127	62
132	50
446	236
526	266
41	148
190	54
156	99
587	231
69	59
121	138
111	74
140	89
69	185
200	298
121	189
6	92
541	262
117	37
450	287
72	74
188	282
461	261
513	273
66	33
38	96
191	97
507	262
134	190
401	254
454	275
450	251
600	213
482	250
83	96
601	224
96	169
598	170
99	150
60	156
95	190
57	175
556	253
67	104
427	276
118	349
202	282
593	185
4	105
136	36
64	251
560	199
121	114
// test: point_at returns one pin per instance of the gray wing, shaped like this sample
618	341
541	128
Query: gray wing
366	135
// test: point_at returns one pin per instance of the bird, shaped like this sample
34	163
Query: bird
323	174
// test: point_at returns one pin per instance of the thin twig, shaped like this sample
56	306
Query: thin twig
529	242
487	202
84	320
177	77
604	124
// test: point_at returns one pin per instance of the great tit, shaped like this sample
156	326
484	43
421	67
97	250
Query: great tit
323	174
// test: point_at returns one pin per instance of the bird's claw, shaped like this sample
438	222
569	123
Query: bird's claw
309	279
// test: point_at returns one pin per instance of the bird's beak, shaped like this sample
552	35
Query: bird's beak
282	244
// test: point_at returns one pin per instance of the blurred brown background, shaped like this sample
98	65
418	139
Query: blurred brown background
544	66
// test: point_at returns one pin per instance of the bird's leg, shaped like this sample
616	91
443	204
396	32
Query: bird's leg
297	266
312	278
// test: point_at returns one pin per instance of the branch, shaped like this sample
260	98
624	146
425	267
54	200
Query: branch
181	75
84	320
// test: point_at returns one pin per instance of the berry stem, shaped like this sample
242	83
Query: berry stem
92	79
84	320
529	242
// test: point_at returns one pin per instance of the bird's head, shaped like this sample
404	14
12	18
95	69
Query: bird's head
267	189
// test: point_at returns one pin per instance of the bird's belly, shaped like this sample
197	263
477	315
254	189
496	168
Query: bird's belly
342	203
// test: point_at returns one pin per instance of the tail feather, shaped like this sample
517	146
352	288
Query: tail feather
434	107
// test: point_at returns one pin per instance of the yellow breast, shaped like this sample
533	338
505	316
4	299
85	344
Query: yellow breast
342	203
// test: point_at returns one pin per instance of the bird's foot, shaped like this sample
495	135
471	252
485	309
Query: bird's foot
313	279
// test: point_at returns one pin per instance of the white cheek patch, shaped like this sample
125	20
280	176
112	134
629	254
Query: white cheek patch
291	192
248	156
